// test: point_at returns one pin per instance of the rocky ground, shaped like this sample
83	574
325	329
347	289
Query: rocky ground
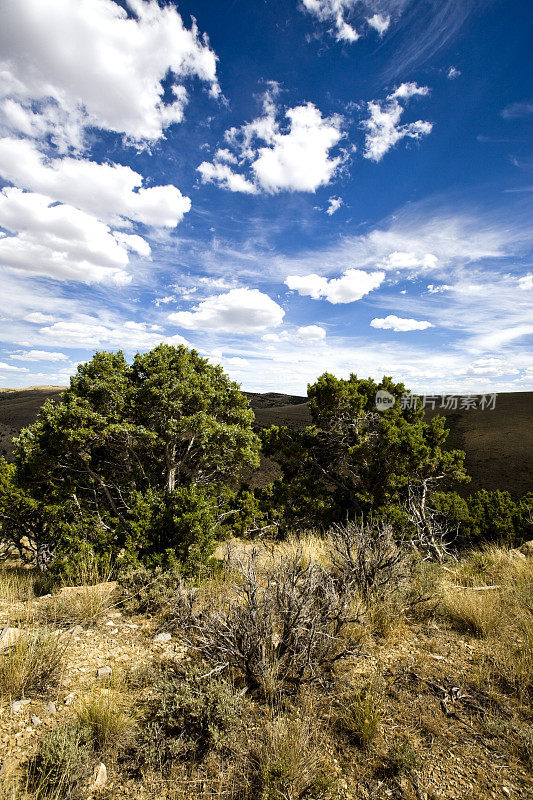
467	739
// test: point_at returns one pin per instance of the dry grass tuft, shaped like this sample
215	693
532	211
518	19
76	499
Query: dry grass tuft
16	584
33	663
358	713
477	613
87	601
84	605
290	762
105	716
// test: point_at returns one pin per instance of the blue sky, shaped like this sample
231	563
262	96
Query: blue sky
289	186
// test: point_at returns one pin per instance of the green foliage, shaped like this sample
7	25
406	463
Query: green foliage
191	715
131	458
354	458
173	530
146	591
487	516
63	760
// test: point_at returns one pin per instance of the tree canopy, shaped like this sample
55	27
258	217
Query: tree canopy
125	438
355	458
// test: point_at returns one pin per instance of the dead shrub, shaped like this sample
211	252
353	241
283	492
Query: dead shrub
366	558
277	630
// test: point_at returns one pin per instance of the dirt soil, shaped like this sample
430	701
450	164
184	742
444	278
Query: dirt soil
462	746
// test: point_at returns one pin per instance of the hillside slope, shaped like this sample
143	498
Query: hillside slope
498	443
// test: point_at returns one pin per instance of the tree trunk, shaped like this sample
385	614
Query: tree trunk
172	467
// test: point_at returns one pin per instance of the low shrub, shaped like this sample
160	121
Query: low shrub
63	760
144	591
191	713
276	630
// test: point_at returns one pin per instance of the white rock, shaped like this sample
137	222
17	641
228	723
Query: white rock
50	707
161	638
8	637
69	698
35	720
99	777
103	672
76	630
18	705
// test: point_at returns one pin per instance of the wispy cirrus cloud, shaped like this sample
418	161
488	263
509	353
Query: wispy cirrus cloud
518	110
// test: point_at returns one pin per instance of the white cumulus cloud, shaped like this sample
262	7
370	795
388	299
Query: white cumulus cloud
526	281
38	355
236	311
383	128
394	323
59	241
334	12
400	259
294	158
101	65
311	334
334	204
38	318
89	332
110	191
352	285
380	23
223	175
347	17
11	368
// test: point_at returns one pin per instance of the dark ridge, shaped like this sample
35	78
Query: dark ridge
498	443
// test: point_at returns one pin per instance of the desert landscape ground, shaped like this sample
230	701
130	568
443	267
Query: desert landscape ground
119	699
498	443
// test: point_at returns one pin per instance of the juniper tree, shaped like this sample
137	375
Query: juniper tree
130	451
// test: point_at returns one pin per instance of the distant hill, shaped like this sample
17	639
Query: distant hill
498	443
